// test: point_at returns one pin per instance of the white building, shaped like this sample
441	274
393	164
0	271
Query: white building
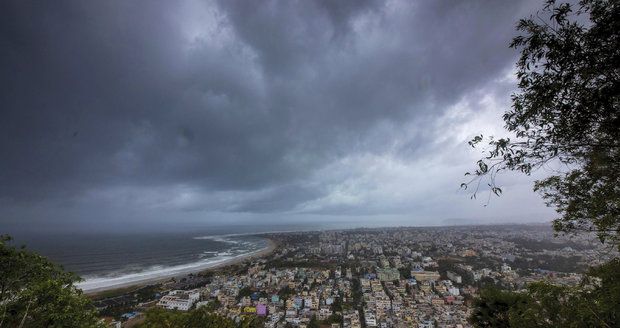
454	277
454	291
179	299
370	318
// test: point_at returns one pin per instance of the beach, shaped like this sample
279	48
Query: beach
94	286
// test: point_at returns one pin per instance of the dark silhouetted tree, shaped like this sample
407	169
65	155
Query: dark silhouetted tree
201	317
567	111
35	292
594	303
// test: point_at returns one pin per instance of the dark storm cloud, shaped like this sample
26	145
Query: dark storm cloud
233	96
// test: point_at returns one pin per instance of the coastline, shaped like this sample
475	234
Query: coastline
265	251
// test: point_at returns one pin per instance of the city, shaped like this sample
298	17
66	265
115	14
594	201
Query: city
385	277
310	164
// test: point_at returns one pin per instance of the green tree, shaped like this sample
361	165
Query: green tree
567	111
213	305
492	308
314	322
35	292
333	318
337	304
595	303
160	318
244	292
285	292
405	272
252	322
201	317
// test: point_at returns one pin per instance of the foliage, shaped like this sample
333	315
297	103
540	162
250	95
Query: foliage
160	318
285	292
337	304
252	322
357	292
595	303
405	272
314	322
446	265
334	318
492	308
567	112
213	305
201	317
197	318
244	292
35	292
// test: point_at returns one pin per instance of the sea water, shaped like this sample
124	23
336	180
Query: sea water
114	260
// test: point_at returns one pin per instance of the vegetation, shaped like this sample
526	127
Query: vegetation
285	292
334	318
314	322
405	272
160	318
337	304
34	292
301	263
446	265
244	292
551	263
568	112
213	305
358	296
596	303
201	317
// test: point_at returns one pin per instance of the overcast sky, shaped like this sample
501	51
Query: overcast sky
149	113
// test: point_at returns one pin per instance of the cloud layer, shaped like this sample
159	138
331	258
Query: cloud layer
295	107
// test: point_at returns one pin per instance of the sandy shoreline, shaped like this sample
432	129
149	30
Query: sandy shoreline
271	246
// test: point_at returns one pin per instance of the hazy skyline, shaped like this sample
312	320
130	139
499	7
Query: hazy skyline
155	113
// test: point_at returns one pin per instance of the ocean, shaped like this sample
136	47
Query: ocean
108	260
113	260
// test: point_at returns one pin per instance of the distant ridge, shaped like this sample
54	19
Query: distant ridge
488	221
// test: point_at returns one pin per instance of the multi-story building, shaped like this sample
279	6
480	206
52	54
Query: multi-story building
179	299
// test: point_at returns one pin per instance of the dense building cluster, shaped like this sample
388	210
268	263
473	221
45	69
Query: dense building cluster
405	277
293	295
